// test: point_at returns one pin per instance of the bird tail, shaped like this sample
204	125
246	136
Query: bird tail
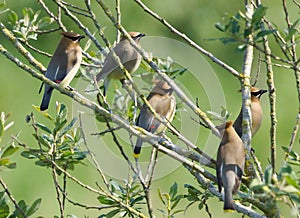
137	147
229	186
46	98
228	201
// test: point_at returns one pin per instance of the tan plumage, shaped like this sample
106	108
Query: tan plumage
63	65
129	57
230	163
256	112
164	104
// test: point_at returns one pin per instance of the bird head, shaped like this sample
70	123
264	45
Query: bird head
256	93
161	87
136	36
75	37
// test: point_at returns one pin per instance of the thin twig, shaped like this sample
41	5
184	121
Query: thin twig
107	131
238	207
41	32
74	6
97	25
21	49
293	137
145	135
296	71
56	18
259	60
148	180
54	176
91	153
114	198
175	88
115	139
118	15
187	39
260	174
296	3
12	198
37	50
79	24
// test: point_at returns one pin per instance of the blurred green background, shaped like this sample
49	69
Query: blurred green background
19	91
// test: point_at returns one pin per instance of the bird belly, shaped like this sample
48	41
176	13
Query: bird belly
71	74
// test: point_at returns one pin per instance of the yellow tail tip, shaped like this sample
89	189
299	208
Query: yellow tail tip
136	155
228	210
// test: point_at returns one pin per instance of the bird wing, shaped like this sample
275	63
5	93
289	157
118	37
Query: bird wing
57	69
123	51
238	124
146	120
219	166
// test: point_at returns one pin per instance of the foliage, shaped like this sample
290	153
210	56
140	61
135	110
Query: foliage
6	150
61	144
283	187
130	193
26	27
59	140
5	162
28	210
170	200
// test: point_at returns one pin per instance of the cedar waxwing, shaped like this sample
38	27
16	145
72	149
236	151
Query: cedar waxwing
163	102
256	112
129	57
64	64
230	164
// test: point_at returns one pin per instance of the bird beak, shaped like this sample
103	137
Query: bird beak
81	37
262	91
141	35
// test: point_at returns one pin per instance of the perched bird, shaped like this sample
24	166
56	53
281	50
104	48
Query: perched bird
256	112
230	164
63	65
163	103
129	57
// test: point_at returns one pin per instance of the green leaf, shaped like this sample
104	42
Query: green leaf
12	17
112	213
268	174
292	30
105	200
173	191
285	149
177	211
200	205
258	14
291	181
2	4
160	196
176	201
264	33
44	22
59	126
43	127
220	27
115	185
77	135
9	151
136	200
68	127
4	210
34	207
28	154
11	165
1	127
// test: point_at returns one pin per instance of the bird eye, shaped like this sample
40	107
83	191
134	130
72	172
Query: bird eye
75	38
